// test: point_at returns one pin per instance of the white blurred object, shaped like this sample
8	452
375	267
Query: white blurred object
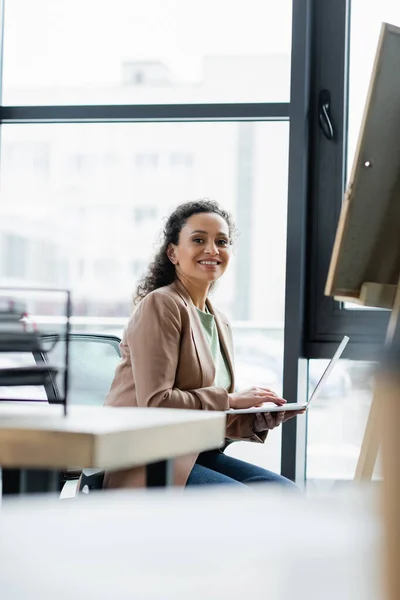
208	543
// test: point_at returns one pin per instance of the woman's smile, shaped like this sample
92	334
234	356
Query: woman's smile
209	264
203	251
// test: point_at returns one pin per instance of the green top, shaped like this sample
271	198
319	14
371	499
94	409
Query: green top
222	372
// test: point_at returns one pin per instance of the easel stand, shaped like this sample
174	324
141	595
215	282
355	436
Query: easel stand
388	397
373	431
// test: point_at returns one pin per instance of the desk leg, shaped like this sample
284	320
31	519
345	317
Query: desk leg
160	474
9	481
30	481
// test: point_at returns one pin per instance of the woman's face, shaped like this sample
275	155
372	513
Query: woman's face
203	250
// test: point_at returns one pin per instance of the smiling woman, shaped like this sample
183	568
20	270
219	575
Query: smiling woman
196	233
177	348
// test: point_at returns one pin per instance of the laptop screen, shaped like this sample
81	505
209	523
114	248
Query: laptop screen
329	368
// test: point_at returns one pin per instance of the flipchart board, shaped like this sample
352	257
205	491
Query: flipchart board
365	270
365	265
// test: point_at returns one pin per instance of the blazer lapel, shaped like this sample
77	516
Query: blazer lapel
200	342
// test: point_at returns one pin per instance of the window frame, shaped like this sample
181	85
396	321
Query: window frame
326	319
315	323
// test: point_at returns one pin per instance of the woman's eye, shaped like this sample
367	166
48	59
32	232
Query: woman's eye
223	242
198	241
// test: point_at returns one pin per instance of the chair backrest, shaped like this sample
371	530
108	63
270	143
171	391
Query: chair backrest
92	362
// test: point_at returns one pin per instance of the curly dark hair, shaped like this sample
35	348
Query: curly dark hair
161	271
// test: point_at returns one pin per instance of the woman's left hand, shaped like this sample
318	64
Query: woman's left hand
265	421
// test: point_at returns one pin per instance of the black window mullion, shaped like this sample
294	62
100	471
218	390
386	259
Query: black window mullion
293	463
327	319
144	113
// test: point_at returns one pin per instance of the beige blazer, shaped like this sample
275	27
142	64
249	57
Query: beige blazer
166	361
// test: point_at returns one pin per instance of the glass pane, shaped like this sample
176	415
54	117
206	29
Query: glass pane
364	33
82	206
337	419
153	52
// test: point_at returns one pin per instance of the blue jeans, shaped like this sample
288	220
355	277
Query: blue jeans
216	467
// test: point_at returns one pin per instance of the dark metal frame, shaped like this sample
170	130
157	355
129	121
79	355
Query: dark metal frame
144	113
296	237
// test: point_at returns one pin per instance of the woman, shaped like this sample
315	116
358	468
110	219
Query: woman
177	349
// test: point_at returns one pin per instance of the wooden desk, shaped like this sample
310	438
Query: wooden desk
39	436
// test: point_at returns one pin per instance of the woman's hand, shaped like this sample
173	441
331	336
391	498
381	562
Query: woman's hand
254	396
266	421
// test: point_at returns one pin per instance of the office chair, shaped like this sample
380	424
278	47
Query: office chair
92	362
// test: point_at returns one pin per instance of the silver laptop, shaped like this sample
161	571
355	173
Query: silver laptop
270	407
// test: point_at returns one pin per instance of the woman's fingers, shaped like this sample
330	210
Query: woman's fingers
268	420
275	399
275	419
255	397
269	395
267	390
294	413
278	418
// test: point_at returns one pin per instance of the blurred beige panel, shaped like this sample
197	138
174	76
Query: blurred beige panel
388	396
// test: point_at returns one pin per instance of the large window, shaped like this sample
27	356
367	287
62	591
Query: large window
83	200
135	52
113	113
92	220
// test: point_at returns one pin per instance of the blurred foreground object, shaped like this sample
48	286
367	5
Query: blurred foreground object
388	397
211	544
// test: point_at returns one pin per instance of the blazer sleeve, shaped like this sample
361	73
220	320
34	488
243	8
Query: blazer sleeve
153	337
